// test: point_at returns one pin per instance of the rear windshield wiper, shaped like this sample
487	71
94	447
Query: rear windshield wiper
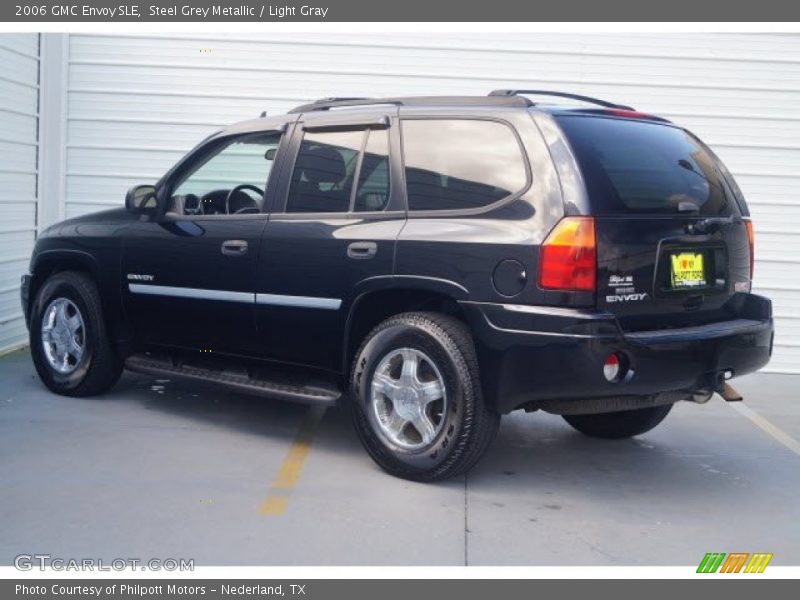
712	224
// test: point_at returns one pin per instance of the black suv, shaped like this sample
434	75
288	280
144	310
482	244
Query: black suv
437	261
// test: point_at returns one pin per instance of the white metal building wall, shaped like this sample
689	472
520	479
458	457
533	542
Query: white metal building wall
135	104
19	108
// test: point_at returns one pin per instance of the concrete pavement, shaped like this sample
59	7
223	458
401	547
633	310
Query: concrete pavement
159	468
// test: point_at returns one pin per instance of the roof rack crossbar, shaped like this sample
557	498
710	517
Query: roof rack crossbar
588	99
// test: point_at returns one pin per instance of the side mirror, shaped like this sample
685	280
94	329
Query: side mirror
141	200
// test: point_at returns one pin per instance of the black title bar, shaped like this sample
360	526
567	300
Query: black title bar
737	588
398	11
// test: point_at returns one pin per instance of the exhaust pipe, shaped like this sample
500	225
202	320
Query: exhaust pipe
729	394
701	396
724	389
717	381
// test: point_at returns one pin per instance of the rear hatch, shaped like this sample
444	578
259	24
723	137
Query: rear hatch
671	225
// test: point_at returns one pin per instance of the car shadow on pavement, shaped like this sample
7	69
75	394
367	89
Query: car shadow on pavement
252	414
531	452
679	461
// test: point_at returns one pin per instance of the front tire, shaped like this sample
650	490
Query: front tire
621	424
416	398
69	342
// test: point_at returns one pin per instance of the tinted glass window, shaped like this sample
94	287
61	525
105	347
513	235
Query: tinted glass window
373	182
457	164
641	167
323	173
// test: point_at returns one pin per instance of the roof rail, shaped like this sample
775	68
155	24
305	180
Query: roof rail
341	99
588	99
335	102
496	100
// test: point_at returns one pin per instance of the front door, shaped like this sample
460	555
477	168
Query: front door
188	276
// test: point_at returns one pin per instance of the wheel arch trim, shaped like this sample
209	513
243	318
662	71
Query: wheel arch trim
69	258
381	283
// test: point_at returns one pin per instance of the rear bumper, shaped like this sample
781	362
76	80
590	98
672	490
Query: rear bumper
528	353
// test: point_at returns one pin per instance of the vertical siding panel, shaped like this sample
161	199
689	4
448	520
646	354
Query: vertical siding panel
19	106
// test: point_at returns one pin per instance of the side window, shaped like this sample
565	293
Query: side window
229	181
323	175
456	164
372	193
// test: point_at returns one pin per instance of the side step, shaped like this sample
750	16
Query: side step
236	378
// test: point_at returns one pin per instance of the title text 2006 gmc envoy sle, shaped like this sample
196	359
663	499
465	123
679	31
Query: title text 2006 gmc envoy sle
431	262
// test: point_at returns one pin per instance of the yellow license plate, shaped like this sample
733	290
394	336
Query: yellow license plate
688	270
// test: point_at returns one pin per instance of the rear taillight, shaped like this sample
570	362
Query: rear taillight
751	240
568	257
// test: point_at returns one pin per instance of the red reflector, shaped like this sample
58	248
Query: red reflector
611	368
568	257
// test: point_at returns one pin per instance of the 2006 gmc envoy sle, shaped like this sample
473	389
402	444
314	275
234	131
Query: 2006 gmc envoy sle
430	262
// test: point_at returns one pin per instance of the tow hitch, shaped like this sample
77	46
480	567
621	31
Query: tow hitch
719	385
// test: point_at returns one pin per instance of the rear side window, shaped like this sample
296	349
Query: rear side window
457	164
328	165
373	180
322	180
641	167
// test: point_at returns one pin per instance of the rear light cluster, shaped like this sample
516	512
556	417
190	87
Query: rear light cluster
751	240
568	257
629	114
625	113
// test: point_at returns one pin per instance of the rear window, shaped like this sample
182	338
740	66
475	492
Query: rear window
640	167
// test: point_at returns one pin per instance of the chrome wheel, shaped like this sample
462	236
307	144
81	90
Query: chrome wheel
408	398
63	335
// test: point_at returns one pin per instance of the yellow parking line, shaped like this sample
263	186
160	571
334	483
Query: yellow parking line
289	472
776	433
273	506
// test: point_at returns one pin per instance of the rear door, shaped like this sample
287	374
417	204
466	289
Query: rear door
334	227
672	244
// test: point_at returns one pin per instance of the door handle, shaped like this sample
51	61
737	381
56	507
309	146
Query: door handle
362	250
234	247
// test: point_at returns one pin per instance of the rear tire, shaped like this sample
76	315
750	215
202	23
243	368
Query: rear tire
423	417
70	346
619	425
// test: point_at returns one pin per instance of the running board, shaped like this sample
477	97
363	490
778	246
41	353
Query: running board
235	378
